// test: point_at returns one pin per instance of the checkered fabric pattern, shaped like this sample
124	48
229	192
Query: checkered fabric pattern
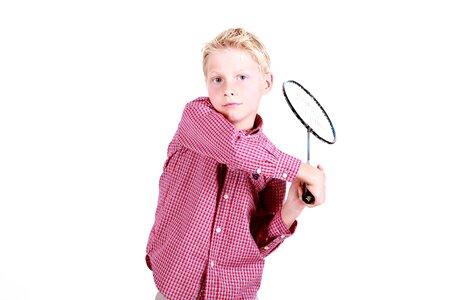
218	213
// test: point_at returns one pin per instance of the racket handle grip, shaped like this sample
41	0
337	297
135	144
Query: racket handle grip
307	196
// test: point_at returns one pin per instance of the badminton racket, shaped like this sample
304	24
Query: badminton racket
312	115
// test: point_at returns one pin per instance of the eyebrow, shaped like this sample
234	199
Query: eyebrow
239	72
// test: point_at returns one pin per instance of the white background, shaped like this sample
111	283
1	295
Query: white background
91	93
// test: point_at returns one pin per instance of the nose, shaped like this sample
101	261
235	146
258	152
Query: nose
228	93
229	89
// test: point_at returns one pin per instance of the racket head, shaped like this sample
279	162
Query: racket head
309	111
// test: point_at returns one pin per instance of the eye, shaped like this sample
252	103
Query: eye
242	77
217	80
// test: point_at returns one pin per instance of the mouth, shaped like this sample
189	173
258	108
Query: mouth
232	104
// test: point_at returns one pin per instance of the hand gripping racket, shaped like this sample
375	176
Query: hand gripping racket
312	115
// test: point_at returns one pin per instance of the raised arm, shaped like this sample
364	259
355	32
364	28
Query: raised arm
205	131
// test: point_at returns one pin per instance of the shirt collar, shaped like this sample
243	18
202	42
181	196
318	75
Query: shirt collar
257	126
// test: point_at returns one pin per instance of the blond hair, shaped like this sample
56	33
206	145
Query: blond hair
238	38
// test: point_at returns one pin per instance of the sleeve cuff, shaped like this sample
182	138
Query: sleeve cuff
279	231
287	167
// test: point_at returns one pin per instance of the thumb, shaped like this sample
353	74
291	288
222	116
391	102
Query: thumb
300	188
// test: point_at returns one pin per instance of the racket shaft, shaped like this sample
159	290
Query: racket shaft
307	196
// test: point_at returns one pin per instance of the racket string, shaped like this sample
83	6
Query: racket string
312	114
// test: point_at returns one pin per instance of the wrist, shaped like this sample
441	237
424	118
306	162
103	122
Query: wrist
289	215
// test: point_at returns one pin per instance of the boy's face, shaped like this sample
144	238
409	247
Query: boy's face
235	85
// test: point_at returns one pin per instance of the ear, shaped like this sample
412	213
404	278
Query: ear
268	82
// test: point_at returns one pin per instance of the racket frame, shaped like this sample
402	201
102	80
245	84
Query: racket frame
307	126
307	196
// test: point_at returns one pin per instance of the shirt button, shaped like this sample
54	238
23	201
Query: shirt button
266	248
258	171
212	264
282	237
284	175
218	229
225	197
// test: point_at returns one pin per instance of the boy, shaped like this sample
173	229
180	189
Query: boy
221	207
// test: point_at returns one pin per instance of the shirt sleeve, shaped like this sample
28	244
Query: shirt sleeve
267	226
203	130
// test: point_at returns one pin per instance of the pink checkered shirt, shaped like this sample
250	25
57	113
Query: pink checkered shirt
218	213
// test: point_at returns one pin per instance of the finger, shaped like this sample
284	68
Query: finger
300	189
315	204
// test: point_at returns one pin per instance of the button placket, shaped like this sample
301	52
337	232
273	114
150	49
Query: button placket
218	227
217	238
